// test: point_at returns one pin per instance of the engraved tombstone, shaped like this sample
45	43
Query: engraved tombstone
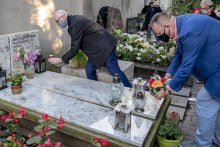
5	53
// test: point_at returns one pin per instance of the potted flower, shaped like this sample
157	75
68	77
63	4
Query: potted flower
16	82
157	83
169	134
28	60
98	142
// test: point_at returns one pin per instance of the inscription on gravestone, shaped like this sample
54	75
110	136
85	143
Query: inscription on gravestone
27	40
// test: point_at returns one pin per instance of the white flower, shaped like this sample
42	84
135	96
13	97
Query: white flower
164	56
158	52
161	48
139	39
118	41
121	45
125	34
137	44
144	51
135	49
158	59
117	48
138	58
130	48
146	44
154	44
141	50
138	54
172	50
126	44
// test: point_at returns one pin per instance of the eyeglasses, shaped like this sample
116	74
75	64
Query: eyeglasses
59	18
205	8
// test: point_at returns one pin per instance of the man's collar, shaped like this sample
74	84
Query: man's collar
176	34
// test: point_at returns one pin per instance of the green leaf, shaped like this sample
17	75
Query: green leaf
18	136
97	144
166	83
13	126
2	112
41	120
157	89
43	140
157	77
6	144
8	120
52	125
9	138
49	133
6	132
19	116
33	140
39	128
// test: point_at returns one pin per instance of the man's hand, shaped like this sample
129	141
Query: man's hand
69	48
154	4
167	77
55	60
161	94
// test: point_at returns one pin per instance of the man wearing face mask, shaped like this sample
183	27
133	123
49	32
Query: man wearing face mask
150	9
206	9
96	42
197	53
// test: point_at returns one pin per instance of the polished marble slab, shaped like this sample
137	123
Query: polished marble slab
90	91
87	115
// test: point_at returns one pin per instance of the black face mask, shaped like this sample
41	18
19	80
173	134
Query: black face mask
164	37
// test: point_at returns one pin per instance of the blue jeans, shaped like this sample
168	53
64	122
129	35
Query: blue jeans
208	115
112	65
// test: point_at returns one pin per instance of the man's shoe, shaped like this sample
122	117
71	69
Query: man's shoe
188	144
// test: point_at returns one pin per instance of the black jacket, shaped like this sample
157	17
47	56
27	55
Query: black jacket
213	14
146	10
96	42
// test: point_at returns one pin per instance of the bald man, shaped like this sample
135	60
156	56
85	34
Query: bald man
198	53
96	42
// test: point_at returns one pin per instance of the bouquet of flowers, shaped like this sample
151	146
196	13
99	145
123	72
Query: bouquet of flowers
27	58
157	83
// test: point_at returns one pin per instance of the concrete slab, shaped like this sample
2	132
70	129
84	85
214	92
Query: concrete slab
179	110
80	113
185	92
91	91
179	101
5	57
103	75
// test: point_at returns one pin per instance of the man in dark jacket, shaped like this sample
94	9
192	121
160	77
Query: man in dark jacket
96	42
150	9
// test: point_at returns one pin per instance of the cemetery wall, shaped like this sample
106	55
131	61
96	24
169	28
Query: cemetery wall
27	15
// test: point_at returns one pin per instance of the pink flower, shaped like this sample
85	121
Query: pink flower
47	143
62	120
44	116
60	125
17	56
54	121
27	51
37	52
105	142
40	145
30	135
26	59
16	120
12	136
24	145
47	129
10	114
58	144
22	111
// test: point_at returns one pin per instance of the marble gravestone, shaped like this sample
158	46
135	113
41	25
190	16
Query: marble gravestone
28	40
91	91
5	53
80	113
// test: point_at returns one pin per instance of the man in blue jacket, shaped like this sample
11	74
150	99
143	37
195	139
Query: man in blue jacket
198	53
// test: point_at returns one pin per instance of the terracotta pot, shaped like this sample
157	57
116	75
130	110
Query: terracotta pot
16	89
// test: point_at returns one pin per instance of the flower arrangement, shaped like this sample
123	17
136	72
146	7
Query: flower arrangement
16	79
27	58
157	83
100	142
136	48
9	138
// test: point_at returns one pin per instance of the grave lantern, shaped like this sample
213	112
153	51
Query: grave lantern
3	80
138	85
122	119
40	64
139	102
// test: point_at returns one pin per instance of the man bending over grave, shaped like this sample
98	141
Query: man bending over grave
96	42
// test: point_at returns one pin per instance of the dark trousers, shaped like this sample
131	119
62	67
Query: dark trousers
112	65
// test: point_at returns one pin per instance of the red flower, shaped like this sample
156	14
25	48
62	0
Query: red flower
151	81
30	135
0	117
5	117
60	125
44	116
22	111
39	133
12	136
105	142
0	109
54	120
47	129
172	115
0	131
62	120
40	145
58	144
163	80
16	120
173	112
47	143
177	113
24	145
10	114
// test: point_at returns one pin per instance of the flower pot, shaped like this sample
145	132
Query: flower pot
16	89
168	143
29	72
